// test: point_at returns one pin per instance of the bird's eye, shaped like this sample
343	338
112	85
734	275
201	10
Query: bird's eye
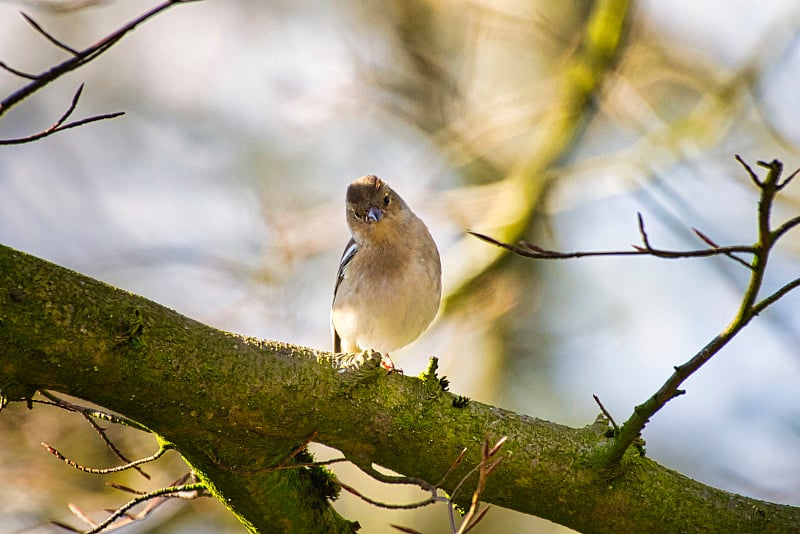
356	214
386	200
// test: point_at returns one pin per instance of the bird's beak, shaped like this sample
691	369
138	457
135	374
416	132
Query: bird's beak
374	215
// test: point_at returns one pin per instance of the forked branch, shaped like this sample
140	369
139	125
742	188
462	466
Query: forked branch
750	306
77	59
60	124
186	487
489	462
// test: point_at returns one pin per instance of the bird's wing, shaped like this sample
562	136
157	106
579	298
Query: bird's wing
347	256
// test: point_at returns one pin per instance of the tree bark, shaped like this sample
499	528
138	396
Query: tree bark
236	407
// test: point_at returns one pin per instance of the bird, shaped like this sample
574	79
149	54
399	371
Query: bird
389	283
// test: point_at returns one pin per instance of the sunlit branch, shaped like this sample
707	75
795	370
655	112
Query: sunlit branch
106	471
389	506
529	250
748	309
120	517
91	412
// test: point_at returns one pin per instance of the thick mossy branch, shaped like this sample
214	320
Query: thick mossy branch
236	408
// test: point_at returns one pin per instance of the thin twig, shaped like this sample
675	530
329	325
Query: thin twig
407	530
297	450
753	176
59	125
83	56
748	309
453	466
126	489
642	231
761	305
785	227
409	506
606	413
48	35
530	250
54	129
714	245
485	468
97	414
110	444
775	168
17	72
184	491
108	470
320	463
392	479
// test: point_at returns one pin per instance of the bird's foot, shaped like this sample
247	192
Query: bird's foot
388	364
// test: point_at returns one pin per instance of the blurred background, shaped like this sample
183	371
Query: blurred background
220	194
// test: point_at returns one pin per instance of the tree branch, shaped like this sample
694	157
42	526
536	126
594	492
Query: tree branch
78	58
529	250
59	124
49	36
769	187
226	402
121	516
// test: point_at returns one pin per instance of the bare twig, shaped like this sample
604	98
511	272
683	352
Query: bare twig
452	467
297	450
785	227
761	305
474	515
90	414
530	250
320	463
110	444
84	56
408	506
485	468
714	245
78	58
59	125
392	479
750	172
126	489
49	36
17	72
97	414
120	517
748	309
606	413
108	470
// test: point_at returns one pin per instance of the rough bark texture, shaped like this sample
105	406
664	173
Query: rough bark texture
234	407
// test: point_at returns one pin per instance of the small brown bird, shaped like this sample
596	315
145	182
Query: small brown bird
390	277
